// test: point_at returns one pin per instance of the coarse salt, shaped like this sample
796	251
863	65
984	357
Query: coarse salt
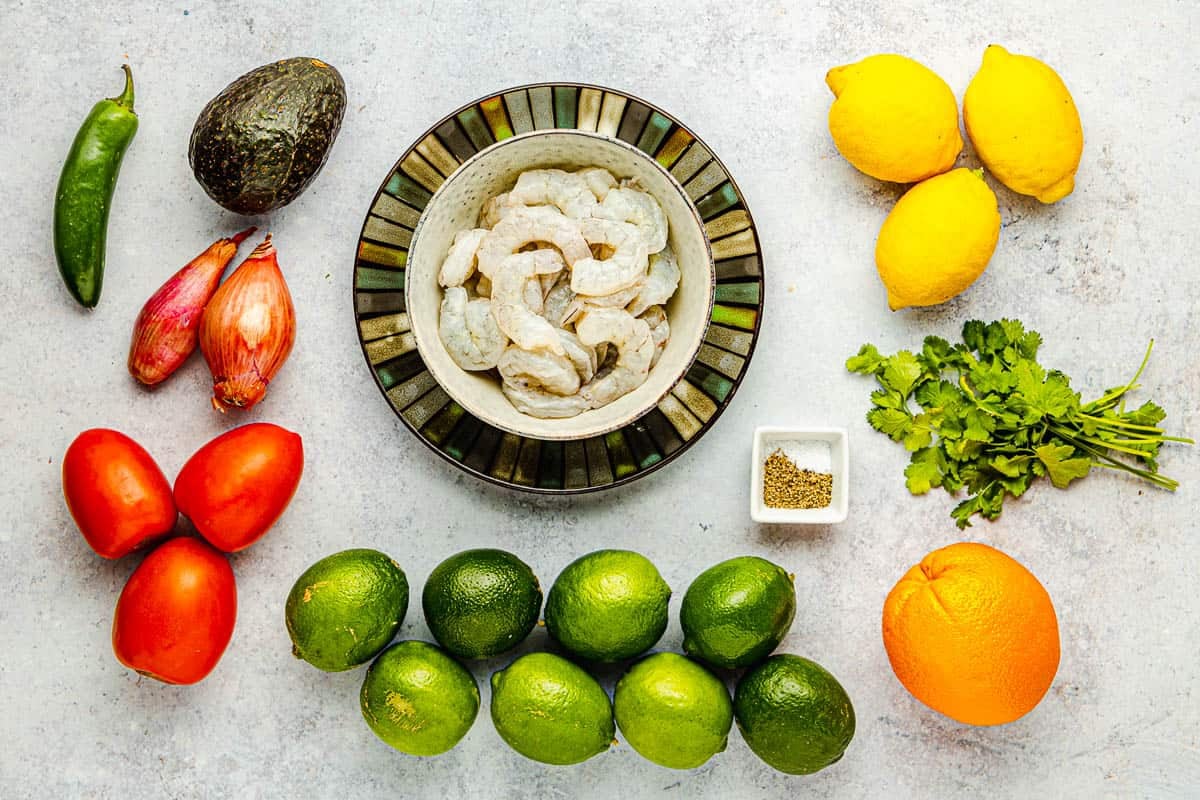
816	456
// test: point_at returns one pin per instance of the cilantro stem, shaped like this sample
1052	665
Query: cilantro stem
1154	440
1109	400
1105	443
1119	423
1138	374
1153	477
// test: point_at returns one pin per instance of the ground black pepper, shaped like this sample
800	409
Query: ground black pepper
787	486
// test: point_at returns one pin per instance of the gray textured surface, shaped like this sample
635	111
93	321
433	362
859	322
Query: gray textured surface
1098	274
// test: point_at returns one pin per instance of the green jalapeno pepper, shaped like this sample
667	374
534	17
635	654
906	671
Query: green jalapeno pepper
85	190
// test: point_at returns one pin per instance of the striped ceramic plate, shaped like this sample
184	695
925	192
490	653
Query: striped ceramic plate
524	463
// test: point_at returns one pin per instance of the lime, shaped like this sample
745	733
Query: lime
480	603
735	613
418	699
550	710
794	715
346	608
608	605
673	711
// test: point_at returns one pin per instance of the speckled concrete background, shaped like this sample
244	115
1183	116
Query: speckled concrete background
1098	275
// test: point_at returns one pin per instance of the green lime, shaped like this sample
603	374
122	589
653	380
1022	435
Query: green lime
480	603
608	605
418	699
346	608
794	715
735	613
550	710
673	711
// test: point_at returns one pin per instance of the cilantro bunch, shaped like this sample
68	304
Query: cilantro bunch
992	420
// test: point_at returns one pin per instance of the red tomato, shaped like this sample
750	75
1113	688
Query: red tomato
176	614
236	486
117	494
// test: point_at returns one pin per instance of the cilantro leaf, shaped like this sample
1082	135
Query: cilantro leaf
995	337
978	425
991	378
1009	467
986	503
963	512
973	335
1017	486
1029	344
1060	465
924	471
936	355
867	362
1028	376
921	433
1041	395
939	395
1014	330
901	372
962	449
887	398
1147	414
891	421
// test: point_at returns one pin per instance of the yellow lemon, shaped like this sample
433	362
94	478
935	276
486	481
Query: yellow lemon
893	118
1024	124
938	239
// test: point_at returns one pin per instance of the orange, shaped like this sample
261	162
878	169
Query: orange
972	634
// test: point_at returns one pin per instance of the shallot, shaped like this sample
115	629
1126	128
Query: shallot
248	330
165	332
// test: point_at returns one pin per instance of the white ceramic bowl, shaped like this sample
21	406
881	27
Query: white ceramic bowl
836	463
455	206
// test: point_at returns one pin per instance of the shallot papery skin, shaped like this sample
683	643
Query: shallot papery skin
248	330
166	330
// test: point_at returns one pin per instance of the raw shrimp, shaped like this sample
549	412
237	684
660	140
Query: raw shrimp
494	210
660	285
542	404
606	356
559	301
469	331
540	368
599	181
542	262
635	349
582	303
526	225
625	267
582	356
616	299
566	190
460	260
531	295
639	209
660	330
514	317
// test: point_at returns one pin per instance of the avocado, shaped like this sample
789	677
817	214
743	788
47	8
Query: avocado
260	142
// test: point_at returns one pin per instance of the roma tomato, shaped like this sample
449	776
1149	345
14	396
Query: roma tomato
118	496
176	614
236	486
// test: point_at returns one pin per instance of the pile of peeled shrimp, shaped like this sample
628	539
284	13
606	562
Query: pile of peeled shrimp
561	290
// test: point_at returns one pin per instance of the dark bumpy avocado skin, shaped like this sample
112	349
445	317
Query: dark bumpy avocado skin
260	142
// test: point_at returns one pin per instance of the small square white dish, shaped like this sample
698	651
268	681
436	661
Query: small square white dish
837	463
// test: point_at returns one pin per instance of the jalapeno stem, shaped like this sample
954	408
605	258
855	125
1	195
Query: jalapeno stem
125	99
